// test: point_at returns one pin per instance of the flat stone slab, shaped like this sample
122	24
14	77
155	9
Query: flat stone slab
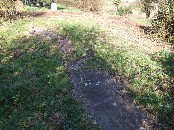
104	102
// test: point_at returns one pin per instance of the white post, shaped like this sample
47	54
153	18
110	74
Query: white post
53	6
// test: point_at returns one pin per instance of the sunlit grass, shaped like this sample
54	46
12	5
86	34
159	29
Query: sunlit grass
141	21
34	9
35	92
147	77
35	85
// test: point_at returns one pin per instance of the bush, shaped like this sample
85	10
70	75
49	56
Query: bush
89	5
116	2
124	10
146	6
163	25
7	9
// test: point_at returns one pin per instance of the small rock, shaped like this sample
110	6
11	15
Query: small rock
142	128
114	104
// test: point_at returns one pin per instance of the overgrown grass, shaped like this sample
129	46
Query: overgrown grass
37	80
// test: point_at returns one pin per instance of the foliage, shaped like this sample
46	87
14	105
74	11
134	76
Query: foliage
89	5
7	9
146	6
116	2
34	86
163	24
124	10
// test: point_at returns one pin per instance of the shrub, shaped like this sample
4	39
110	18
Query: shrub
7	9
116	2
89	5
146	6
163	25
124	10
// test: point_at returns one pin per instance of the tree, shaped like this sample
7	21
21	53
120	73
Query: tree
163	25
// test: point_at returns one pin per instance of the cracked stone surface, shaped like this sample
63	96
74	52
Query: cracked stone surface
101	96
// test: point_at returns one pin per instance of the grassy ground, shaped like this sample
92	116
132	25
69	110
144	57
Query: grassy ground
150	77
35	92
59	7
34	89
141	21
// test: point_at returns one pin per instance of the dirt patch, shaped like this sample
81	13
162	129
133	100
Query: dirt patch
103	99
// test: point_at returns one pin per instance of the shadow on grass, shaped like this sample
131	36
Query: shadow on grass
138	68
33	79
34	88
167	61
35	92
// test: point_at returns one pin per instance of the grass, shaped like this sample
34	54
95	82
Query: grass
124	10
150	80
141	21
35	92
34	85
34	9
59	7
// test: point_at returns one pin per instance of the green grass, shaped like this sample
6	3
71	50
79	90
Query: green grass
34	86
124	10
73	9
35	92
141	21
59	7
150	80
34	9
